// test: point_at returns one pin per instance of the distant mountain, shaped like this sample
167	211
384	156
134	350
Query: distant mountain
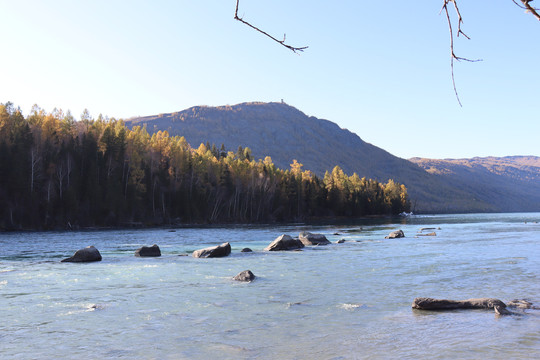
509	183
285	133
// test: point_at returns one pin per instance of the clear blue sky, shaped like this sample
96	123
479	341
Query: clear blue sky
381	70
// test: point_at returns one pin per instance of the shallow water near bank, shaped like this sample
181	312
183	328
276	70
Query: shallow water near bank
341	301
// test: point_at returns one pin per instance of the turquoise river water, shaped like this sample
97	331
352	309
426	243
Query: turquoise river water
341	301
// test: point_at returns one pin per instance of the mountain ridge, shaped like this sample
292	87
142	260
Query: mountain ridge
516	179
285	133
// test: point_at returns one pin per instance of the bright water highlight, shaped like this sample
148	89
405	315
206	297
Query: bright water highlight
341	301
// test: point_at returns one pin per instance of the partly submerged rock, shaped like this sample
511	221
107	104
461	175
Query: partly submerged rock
88	254
284	242
499	310
521	304
148	251
246	250
423	303
395	234
308	238
340	241
214	251
245	276
429	228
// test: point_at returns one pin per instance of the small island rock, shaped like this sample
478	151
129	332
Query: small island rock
395	234
88	254
308	238
246	250
284	242
214	251
148	251
245	276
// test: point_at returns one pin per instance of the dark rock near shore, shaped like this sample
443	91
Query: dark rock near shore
308	238
422	303
395	234
284	242
148	251
88	254
214	251
246	250
245	276
340	241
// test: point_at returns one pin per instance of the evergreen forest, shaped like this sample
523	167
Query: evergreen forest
57	172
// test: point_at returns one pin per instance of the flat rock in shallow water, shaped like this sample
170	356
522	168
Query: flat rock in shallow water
148	251
214	251
308	238
284	242
443	304
395	234
521	304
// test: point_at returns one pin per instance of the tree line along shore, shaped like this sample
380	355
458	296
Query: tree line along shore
58	172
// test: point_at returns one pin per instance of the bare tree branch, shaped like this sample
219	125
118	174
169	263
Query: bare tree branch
526	6
282	42
453	55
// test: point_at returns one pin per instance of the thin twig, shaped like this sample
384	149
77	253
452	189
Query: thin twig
282	42
453	55
526	6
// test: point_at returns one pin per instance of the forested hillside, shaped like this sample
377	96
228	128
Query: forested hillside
285	133
56	172
510	183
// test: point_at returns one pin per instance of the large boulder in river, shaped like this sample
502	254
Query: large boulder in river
423	303
245	276
284	242
308	238
148	251
87	254
214	251
395	234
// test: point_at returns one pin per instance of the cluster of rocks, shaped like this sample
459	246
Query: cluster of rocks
287	243
282	243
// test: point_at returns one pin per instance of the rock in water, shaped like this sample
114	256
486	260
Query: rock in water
284	242
395	234
499	310
308	238
148	251
87	254
443	304
428	234
246	250
520	304
214	251
245	275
